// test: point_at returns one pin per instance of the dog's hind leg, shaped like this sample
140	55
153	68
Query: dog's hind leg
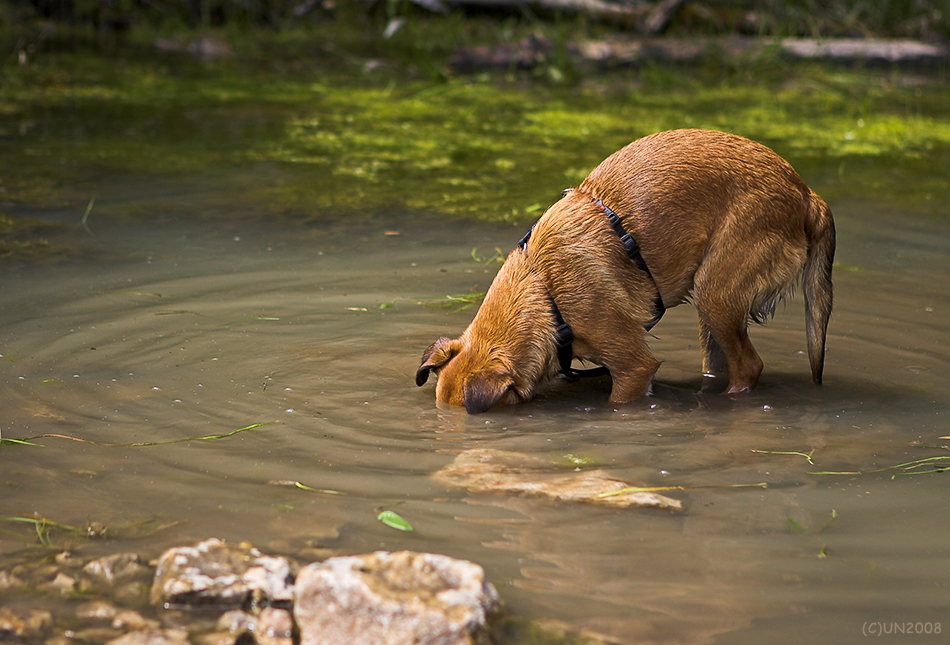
729	334
724	316
714	359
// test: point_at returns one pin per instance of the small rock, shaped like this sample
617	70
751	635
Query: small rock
395	598
219	638
10	623
91	635
38	621
128	620
9	581
66	558
44	571
59	640
484	470
274	627
152	637
30	624
216	573
133	593
62	583
236	622
119	567
96	610
271	627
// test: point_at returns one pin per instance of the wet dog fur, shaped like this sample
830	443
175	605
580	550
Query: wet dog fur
720	220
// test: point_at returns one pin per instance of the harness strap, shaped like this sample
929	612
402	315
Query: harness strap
565	351
632	248
565	335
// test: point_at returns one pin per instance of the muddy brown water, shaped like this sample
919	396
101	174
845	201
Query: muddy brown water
169	328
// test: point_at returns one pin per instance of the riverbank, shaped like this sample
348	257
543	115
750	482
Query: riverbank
471	117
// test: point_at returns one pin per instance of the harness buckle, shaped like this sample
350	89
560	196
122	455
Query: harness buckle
630	245
565	335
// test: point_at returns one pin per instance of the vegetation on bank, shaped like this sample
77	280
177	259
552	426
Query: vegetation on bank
323	117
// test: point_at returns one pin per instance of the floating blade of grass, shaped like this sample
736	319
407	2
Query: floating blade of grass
806	455
23	442
144	528
932	446
393	520
246	318
325	491
794	524
136	530
797	526
208	437
144	293
834	516
458	302
40	520
85	216
499	257
906	466
660	489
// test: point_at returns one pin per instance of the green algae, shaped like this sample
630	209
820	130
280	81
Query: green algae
240	141
24	237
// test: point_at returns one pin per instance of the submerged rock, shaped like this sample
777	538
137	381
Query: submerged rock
26	624
128	620
62	583
152	637
274	627
8	580
116	568
219	574
96	610
485	470
395	598
236	621
271	627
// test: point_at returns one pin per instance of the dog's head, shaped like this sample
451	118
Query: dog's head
505	354
467	378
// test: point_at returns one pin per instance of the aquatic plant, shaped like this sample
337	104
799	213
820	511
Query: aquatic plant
325	146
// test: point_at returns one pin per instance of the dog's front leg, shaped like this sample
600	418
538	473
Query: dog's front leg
631	369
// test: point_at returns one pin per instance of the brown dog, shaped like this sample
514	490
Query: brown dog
721	220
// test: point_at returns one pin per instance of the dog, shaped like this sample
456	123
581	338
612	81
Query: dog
677	216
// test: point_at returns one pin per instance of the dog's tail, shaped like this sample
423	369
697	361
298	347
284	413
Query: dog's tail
816	281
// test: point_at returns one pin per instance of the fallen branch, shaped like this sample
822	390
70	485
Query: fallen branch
625	14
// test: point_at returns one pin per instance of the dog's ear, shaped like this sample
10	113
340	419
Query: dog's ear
482	391
436	355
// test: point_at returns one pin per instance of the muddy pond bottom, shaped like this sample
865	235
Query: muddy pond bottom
173	330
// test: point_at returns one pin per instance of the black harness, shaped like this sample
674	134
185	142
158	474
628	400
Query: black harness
565	335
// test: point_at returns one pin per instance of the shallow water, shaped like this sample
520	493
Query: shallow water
168	328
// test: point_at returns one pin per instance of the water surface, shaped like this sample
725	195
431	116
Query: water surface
168	327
